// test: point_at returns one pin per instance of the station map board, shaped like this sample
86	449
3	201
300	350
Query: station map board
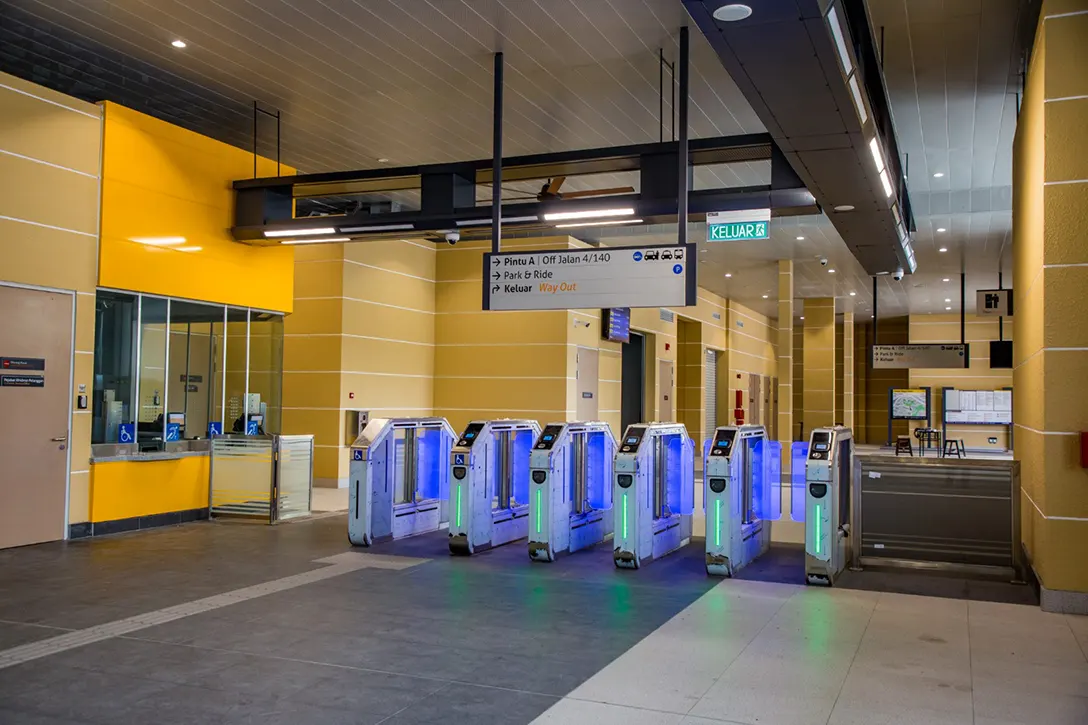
978	407
603	277
909	404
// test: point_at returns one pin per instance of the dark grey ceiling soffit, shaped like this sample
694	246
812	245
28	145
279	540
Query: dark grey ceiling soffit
786	62
265	209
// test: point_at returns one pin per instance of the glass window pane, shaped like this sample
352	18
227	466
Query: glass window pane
114	363
266	368
149	423
236	371
192	380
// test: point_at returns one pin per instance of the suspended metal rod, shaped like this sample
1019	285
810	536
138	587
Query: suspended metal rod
963	308
682	153
496	162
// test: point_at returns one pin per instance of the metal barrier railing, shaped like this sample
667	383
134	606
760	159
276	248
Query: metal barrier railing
938	513
263	477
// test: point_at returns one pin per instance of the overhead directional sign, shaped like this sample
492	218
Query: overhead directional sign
590	278
921	356
738	226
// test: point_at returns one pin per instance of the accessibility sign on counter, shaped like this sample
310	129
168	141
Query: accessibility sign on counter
660	276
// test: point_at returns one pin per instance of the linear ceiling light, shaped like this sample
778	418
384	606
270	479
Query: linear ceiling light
487	222
855	94
588	214
599	224
323	240
840	40
874	149
312	231
886	183
374	228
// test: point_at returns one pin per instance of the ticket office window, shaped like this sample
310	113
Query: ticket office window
166	370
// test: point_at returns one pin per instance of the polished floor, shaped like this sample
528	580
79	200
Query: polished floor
234	623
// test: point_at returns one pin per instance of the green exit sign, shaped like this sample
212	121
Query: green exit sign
738	226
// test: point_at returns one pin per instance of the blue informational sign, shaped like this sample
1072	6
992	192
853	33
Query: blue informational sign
356	454
252	428
126	433
215	428
173	432
458	459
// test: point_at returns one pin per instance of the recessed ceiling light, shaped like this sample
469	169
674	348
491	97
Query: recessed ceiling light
938	175
941	230
766	296
383	160
853	294
947	299
703	251
732	13
948	308
179	43
800	239
802	317
943	249
831	271
728	274
946	279
845	207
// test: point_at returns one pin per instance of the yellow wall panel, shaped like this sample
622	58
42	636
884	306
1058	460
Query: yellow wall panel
311	390
386	392
389	288
47	257
1063	305
326	425
68	135
506	327
1066	143
510	394
387	356
79	497
319	278
498	359
160	180
124	489
315	317
417	259
71	202
372	320
1066	543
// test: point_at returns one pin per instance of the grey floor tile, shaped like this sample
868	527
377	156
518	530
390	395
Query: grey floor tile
476	705
151	660
1022	705
568	711
374	693
69	693
18	717
13	635
867	714
265	677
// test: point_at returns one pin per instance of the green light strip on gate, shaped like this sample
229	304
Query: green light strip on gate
817	528
718	524
538	510
625	515
458	505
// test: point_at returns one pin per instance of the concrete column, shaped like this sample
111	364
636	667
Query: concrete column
786	529
848	369
1050	333
819	375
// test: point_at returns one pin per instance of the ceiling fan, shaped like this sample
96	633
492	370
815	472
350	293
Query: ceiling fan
550	191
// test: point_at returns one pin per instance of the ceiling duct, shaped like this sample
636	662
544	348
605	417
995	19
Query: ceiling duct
810	71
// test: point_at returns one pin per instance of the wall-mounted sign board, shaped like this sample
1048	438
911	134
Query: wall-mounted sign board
606	277
910	404
22	381
921	356
993	303
979	407
22	363
738	226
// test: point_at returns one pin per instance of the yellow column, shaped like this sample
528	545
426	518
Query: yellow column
785	529
848	369
1050	274
819	374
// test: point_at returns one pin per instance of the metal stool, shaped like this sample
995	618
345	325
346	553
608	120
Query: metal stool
903	445
955	447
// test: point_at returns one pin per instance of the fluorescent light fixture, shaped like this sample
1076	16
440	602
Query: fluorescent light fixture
374	228
886	183
895	213
158	241
859	103
874	149
845	207
853	294
732	13
941	230
599	224
728	274
840	40
312	231
178	43
189	249
487	222
323	240
557	216
943	249
938	175
800	239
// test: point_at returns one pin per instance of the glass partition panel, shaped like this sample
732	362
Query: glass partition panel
798	460
235	368
266	367
116	328
192	384
150	423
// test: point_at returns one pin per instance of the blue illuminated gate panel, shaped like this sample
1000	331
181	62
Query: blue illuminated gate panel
798	458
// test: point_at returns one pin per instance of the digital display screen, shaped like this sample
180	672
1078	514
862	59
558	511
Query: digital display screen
820	447
723	444
616	324
548	437
631	440
469	435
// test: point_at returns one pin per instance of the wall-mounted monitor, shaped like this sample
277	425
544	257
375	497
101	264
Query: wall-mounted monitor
616	324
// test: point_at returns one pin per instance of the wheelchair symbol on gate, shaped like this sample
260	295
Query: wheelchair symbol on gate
356	454
125	433
458	459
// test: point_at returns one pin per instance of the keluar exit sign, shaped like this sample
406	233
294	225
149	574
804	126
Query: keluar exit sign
738	226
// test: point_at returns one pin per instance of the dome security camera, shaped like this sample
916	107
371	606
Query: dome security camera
453	237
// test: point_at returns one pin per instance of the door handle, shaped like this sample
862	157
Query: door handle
62	439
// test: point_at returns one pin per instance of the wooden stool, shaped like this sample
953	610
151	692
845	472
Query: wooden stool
902	445
954	446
